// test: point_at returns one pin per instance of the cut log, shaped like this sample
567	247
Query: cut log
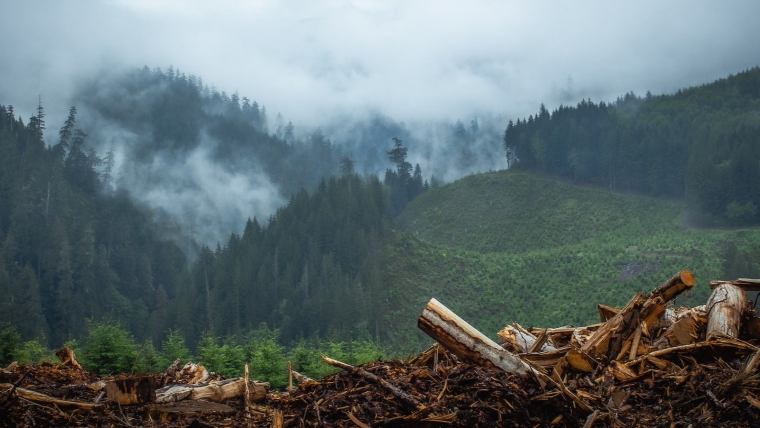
42	398
67	357
464	341
216	391
676	285
724	311
131	390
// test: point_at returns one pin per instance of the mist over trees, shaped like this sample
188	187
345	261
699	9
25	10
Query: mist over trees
100	218
72	248
206	161
701	144
77	246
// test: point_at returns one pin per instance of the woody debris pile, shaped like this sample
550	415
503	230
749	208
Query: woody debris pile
647	364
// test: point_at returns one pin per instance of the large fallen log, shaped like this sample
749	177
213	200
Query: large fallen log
464	341
724	311
216	391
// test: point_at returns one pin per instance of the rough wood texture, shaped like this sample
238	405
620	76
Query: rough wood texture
166	412
276	418
67	357
520	341
547	360
42	398
676	285
132	390
599	343
683	332
403	396
615	337
464	341
746	284
606	312
724	311
215	391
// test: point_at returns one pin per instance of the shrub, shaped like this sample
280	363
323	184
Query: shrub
9	345
108	349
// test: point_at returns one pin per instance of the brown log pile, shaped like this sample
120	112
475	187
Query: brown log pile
647	364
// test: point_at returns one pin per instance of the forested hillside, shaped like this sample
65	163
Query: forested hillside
349	256
72	248
701	144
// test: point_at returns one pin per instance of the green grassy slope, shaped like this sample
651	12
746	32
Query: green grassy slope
543	253
511	211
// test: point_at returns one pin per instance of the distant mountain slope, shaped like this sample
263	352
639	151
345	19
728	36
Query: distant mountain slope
516	212
518	247
701	144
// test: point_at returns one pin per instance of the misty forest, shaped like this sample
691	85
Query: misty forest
165	218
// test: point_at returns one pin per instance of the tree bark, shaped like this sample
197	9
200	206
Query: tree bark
746	284
464	341
724	311
676	285
215	391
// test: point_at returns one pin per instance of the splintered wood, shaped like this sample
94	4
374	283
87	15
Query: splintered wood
634	350
646	365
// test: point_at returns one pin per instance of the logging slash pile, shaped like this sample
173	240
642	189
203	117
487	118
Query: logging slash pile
647	364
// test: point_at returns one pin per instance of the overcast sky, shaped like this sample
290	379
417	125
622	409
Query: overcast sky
412	60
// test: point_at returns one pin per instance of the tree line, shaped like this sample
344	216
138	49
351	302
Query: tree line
701	144
108	349
75	248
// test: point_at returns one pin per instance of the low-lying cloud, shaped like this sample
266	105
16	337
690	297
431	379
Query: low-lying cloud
343	64
423	60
